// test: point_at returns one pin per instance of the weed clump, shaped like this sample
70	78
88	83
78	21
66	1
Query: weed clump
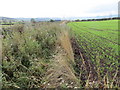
27	50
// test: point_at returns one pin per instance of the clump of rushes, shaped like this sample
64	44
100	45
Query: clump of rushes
27	50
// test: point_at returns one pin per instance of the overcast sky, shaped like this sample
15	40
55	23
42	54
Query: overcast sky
57	8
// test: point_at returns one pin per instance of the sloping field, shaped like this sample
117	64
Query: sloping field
98	43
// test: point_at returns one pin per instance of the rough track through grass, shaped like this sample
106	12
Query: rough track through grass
61	74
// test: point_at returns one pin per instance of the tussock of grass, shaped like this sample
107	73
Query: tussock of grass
66	45
62	72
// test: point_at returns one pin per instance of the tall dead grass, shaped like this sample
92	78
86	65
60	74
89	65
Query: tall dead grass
64	40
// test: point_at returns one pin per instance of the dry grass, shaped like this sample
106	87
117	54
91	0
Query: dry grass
66	45
61	72
43	49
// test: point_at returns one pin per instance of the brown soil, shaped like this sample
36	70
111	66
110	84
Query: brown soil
83	63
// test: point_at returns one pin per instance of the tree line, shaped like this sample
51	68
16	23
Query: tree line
114	18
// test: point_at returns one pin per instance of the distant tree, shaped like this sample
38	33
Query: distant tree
33	20
10	22
51	20
77	20
23	22
4	21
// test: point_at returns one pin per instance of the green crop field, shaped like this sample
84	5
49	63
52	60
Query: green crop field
98	41
99	37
